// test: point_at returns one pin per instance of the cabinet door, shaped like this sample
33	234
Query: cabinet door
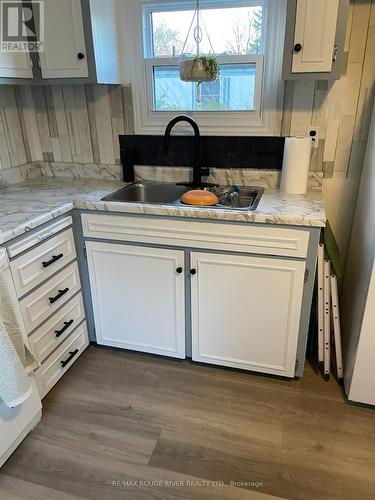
15	65
246	311
64	53
138	297
314	36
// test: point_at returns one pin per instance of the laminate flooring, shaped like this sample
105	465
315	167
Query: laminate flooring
127	425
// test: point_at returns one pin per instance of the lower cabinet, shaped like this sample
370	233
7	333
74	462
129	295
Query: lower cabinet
138	297
246	311
59	362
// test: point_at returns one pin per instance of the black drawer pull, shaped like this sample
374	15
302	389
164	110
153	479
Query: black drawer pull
71	356
52	300
65	327
54	259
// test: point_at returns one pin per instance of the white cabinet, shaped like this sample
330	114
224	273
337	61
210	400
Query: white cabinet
243	303
138	297
47	282
81	42
40	263
54	367
64	54
15	65
45	300
314	39
314	35
246	311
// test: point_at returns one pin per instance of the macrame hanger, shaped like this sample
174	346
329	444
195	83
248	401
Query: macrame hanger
198	30
198	37
187	36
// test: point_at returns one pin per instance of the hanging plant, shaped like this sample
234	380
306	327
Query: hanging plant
203	68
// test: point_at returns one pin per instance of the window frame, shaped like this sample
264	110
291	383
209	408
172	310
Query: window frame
261	121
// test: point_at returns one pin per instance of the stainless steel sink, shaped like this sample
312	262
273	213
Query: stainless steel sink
148	192
230	197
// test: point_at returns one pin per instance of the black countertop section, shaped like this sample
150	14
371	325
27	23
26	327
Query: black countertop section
216	152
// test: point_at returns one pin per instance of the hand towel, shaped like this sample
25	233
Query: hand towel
16	361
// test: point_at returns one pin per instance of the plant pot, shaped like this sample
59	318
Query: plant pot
193	70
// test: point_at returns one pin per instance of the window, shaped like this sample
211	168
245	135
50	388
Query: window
234	92
245	35
233	30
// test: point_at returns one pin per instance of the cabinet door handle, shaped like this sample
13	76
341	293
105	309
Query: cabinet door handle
52	300
65	327
179	270
80	56
68	359
297	48
54	259
193	272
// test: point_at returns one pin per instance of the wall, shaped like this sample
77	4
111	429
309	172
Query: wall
80	123
70	123
359	287
342	111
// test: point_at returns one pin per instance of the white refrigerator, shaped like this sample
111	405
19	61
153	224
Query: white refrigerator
358	299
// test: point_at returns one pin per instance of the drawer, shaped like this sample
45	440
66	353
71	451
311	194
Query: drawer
54	331
54	367
246	237
26	242
46	299
35	266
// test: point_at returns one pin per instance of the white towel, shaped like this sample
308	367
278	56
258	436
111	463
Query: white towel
16	361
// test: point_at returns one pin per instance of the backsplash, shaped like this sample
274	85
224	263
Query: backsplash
223	176
219	152
237	176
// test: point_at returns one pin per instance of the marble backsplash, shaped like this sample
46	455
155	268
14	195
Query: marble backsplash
22	173
240	177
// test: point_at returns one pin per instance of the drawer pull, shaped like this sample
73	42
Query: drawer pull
52	300
71	356
54	259
65	327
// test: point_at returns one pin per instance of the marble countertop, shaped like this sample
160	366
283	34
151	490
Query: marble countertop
26	205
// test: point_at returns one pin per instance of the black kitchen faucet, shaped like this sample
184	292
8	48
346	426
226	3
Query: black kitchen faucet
197	170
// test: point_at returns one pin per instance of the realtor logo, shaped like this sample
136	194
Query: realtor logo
22	26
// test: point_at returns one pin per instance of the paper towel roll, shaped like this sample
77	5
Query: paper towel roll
296	165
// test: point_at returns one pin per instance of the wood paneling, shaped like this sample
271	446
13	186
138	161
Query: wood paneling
77	123
118	416
63	123
340	109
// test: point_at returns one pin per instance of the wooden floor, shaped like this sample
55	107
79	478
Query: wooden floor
124	417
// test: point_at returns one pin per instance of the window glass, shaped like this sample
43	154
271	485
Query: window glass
233	92
233	30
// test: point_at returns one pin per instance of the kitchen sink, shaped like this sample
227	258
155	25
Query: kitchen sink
230	197
148	192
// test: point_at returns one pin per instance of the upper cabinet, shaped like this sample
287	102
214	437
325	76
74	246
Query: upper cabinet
64	54
314	39
80	43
